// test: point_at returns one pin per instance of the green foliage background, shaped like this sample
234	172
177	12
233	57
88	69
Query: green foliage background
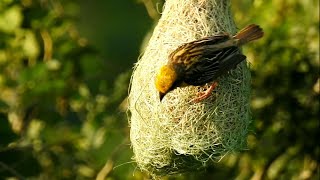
64	73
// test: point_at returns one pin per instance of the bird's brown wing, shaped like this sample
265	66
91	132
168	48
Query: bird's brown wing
211	65
187	54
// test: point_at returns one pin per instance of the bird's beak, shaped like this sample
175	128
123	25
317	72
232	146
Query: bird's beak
161	95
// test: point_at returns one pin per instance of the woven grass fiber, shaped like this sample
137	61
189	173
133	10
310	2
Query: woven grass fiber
177	134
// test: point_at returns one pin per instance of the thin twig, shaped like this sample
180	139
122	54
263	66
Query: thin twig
108	167
11	170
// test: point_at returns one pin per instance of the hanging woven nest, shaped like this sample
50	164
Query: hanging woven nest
177	134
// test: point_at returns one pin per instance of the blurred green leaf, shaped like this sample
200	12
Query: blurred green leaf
10	18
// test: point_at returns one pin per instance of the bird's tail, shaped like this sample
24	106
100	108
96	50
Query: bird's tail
250	33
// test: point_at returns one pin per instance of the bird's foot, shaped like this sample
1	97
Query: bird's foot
204	95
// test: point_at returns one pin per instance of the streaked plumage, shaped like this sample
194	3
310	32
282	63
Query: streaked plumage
204	60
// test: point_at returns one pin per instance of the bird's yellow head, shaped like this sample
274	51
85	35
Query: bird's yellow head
165	80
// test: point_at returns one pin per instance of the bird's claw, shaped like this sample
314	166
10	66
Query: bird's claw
204	95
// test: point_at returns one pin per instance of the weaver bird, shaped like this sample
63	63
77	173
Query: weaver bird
203	61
